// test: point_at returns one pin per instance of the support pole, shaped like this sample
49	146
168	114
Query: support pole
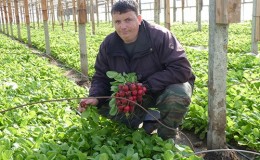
10	17
45	23
97	15
33	19
218	41
27	19
174	9
53	15
167	15
108	8
157	11
74	15
2	16
82	38
6	17
255	37
17	20
182	10
199	9
106	14
60	10
37	14
92	18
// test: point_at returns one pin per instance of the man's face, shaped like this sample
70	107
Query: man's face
127	25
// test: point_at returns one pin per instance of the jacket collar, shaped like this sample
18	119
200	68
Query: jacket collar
116	46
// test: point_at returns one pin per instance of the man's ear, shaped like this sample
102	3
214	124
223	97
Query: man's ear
139	17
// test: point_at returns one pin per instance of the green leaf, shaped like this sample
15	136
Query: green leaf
7	154
112	74
256	132
102	156
114	88
168	155
113	108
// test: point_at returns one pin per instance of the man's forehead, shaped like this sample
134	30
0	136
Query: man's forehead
123	15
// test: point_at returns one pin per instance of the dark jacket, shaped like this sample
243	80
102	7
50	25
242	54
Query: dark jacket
158	62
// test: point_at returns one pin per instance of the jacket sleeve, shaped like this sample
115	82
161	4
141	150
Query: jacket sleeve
175	66
100	84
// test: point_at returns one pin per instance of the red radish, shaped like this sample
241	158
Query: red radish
121	93
126	109
125	88
132	87
121	108
134	93
140	92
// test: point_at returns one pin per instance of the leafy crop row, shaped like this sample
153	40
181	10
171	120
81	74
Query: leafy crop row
242	79
53	130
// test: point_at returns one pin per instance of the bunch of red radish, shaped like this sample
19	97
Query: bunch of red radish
127	94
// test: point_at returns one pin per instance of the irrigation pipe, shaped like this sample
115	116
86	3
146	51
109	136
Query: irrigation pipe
224	150
239	152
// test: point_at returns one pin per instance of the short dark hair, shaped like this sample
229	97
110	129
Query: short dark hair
123	6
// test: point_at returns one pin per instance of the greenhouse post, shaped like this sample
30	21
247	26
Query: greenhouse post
82	38
45	23
222	13
17	19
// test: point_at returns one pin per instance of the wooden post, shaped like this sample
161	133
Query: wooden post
228	11
32	12
74	15
182	10
60	10
1	20
108	11
257	21
255	34
88	11
82	38
106	14
37	14
167	16
6	17
67	12
92	17
39	10
157	11
2	16
112	2
52	15
21	12
199	9
17	19
45	23
97	15
174	9
217	73
140	6
27	18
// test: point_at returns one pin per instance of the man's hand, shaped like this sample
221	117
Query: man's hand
85	103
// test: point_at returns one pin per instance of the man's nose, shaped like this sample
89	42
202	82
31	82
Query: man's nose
123	25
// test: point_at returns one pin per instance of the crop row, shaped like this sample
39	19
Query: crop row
43	123
243	82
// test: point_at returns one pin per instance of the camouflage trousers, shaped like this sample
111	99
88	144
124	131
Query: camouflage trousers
172	104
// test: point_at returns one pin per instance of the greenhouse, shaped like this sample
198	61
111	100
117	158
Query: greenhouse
50	52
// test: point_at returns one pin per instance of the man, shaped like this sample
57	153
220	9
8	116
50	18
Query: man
158	59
